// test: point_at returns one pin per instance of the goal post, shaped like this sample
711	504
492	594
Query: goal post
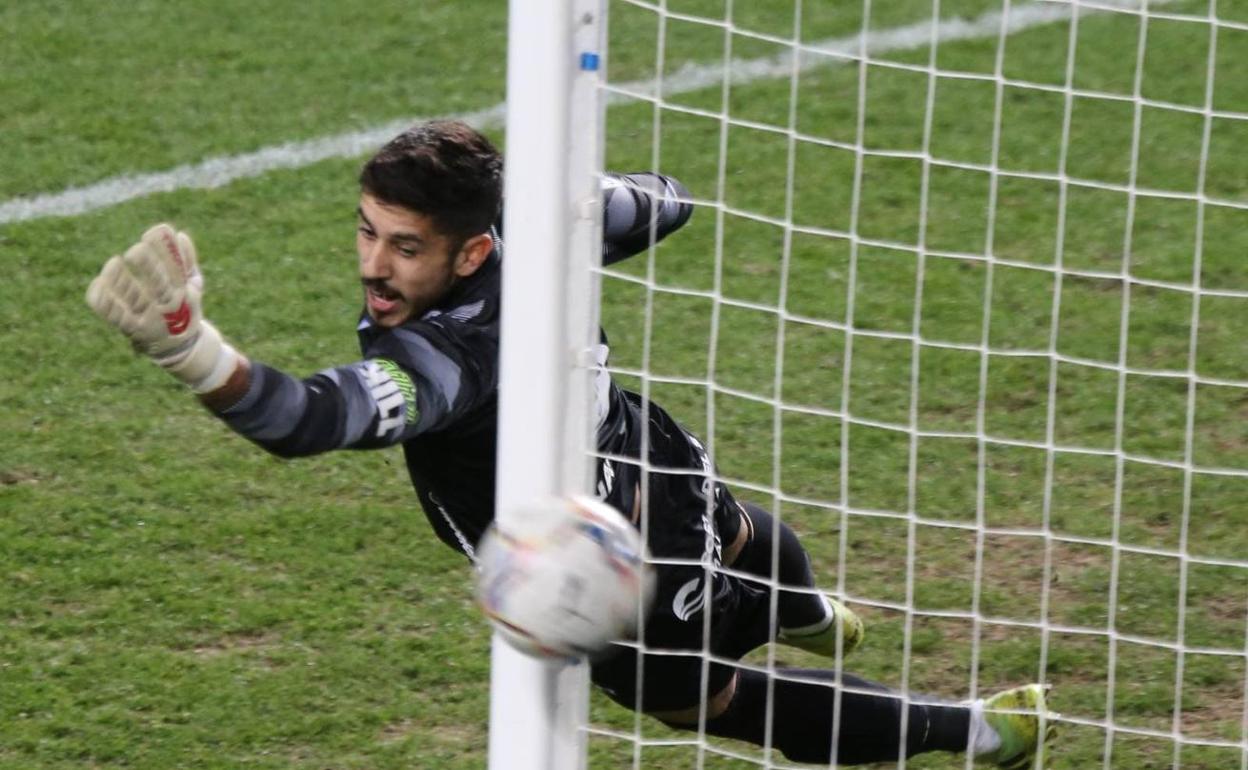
551	228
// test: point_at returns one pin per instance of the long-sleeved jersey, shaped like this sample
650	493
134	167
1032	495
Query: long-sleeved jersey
431	384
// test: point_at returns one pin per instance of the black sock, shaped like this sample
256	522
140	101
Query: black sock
794	608
803	713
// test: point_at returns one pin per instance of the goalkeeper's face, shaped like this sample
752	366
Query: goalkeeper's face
406	264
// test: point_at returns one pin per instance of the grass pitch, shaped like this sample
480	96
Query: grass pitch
176	598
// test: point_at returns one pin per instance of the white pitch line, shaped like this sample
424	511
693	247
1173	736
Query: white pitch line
220	171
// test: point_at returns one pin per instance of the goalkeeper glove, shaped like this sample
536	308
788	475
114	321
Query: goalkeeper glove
152	295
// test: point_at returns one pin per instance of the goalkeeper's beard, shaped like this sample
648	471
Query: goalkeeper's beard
389	306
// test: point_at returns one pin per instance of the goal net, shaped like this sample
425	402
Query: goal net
964	301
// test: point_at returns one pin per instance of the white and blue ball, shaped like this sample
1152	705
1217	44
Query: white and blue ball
565	577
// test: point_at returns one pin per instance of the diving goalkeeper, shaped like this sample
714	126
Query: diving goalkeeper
430	255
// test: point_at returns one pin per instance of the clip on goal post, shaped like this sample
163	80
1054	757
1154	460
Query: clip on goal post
553	156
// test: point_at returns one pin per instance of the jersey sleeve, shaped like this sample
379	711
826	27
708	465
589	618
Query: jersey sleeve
410	383
638	210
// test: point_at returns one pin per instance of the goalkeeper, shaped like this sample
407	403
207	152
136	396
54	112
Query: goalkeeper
430	256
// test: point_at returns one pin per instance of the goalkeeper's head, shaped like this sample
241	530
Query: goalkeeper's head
427	202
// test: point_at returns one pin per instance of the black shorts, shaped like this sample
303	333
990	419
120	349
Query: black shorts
681	525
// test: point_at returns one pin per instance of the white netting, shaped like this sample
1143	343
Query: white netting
964	301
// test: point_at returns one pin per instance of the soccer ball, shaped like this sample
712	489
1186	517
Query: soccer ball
566	579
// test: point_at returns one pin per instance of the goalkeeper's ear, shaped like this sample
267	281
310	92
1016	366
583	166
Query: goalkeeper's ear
473	254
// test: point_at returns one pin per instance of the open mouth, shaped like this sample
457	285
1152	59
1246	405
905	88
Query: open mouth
381	299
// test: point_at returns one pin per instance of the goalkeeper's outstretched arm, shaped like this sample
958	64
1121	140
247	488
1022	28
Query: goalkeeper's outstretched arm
152	294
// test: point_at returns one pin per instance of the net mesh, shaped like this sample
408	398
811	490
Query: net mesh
964	302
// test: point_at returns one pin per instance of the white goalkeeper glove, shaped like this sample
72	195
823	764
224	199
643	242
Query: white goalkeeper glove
152	294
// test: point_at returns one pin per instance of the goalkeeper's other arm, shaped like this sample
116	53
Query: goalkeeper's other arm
153	295
639	210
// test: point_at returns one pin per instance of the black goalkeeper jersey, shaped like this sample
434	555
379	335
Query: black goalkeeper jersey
431	384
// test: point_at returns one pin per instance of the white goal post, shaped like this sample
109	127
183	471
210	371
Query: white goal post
552	221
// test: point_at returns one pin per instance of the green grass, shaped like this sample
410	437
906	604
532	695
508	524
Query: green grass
174	597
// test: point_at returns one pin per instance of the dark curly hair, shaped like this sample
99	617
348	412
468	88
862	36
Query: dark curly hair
443	169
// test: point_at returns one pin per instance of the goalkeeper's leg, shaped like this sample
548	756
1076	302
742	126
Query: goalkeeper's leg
806	618
866	725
